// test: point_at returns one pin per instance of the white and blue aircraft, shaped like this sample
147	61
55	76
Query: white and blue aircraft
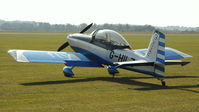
104	47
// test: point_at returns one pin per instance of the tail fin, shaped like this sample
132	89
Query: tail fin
156	52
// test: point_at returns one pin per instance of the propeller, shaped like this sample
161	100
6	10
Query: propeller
63	46
85	29
66	43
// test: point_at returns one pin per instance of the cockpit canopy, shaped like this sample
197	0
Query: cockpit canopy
110	37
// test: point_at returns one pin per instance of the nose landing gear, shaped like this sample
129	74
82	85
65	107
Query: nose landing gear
68	71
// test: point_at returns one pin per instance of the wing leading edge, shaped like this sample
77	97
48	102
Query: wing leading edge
68	58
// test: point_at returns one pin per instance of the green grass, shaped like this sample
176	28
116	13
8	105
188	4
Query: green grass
39	87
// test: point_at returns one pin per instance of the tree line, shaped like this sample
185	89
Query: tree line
43	26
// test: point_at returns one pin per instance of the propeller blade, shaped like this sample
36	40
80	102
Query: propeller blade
66	43
63	46
85	29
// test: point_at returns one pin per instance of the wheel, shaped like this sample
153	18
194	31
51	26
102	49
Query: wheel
163	83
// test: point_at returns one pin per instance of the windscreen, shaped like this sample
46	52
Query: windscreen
112	37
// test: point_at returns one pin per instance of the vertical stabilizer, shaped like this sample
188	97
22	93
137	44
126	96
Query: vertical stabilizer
156	52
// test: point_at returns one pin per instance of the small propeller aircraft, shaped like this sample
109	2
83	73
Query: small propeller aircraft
104	47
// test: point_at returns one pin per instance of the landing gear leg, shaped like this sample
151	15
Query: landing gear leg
163	83
113	75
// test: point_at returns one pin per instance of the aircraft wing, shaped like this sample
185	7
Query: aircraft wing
68	58
170	53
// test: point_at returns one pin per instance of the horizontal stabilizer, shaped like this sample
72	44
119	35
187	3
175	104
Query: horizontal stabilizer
145	63
134	63
176	62
170	53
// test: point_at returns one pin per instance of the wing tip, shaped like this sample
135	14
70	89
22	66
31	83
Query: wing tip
182	54
13	53
18	55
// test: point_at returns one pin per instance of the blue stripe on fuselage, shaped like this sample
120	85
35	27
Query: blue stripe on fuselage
159	68
91	56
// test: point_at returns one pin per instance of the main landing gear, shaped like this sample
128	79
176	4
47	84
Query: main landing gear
162	82
112	70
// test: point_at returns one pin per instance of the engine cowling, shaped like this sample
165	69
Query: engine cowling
68	72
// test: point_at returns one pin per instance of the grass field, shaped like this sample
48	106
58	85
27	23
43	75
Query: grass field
38	87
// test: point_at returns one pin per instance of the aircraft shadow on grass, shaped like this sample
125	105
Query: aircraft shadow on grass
144	86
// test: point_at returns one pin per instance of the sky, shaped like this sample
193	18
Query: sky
136	12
